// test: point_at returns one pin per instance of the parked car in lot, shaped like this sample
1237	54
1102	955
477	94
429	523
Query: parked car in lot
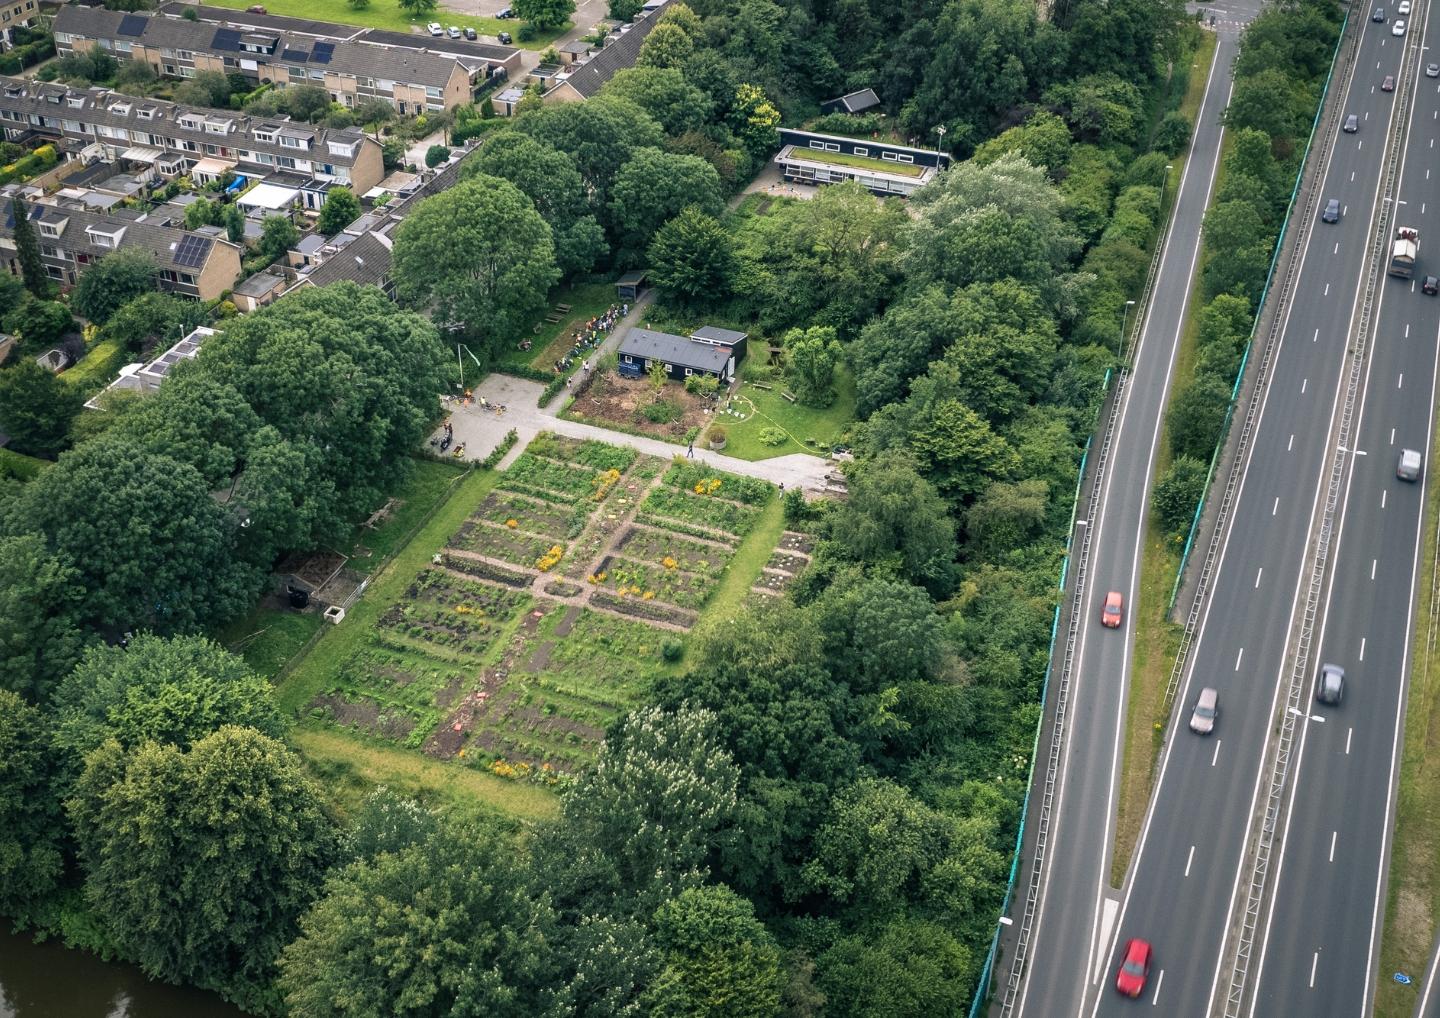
1114	611
470	33
1330	686
435	28
1388	85
1134	967
504	13
1398	28
1206	712
1332	211
1352	124
453	32
1408	469
256	9
504	38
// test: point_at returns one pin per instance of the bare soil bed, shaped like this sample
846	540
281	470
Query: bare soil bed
617	400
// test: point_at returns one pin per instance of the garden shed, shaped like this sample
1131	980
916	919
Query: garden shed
631	285
681	355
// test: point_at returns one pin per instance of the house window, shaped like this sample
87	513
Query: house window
860	151
905	159
889	157
629	359
688	372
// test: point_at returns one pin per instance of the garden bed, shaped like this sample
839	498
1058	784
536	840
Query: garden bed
694	555
649	611
485	570
502	543
654	582
611	400
709	511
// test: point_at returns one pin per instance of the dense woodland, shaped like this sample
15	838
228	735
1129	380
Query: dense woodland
823	806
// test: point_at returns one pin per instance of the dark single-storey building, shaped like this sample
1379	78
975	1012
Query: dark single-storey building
682	356
855	102
880	166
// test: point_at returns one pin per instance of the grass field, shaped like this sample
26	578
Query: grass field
551	342
806	428
387	15
1413	894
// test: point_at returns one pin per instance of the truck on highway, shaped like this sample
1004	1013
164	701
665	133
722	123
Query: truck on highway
1402	255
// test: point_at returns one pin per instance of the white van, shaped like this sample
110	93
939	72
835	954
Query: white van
1409	468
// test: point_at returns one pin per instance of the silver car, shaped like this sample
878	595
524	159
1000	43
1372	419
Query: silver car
1409	466
1330	687
1207	710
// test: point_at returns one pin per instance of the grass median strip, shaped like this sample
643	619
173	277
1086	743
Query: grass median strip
1413	895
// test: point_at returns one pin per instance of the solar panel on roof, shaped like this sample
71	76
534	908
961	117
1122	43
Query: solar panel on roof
133	24
297	55
226	39
192	251
322	52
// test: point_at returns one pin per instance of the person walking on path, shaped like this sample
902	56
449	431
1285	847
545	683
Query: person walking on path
690	450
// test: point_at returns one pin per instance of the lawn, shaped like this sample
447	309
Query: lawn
100	365
551	340
389	16
20	466
426	487
862	162
806	428
268	638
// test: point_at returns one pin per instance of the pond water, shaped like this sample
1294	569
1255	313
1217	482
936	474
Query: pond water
50	981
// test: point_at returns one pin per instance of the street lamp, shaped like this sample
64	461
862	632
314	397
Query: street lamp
941	131
1164	182
1124	313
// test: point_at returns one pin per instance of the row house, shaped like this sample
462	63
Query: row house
159	140
350	64
73	236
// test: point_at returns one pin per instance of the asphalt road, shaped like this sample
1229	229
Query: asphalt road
1320	949
1185	882
1075	884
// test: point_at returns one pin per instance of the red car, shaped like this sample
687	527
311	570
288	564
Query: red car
1114	611
1134	969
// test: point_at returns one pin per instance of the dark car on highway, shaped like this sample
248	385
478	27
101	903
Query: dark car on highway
1352	124
1430	286
1332	211
1379	14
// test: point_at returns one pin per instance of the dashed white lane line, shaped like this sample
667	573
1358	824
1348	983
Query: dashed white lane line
1216	755
1238	656
1160	978
1316	338
1289	445
1333	836
1362	648
1348	733
1383	494
1314	964
1373	563
1189	859
1257	577
1400	382
1327	290
1392	436
1305	382
1276	507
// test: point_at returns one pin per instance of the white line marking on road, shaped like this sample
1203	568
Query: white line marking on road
1407	330
1316	338
1382	499
1238	656
1189	859
1305	382
1257	577
1337	249
1400	382
1314	963
1352	176
1327	290
1392	436
1333	836
1359	146
1348	733
1290	444
1373	563
1216	755
1108	909
1276	507
1160	978
1362	648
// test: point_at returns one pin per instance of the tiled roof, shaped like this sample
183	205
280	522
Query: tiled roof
620	51
365	260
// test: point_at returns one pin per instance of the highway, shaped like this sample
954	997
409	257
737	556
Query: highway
1319	952
1189	877
1074	879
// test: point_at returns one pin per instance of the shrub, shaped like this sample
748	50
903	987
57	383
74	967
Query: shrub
526	32
435	155
796	511
1177	493
661	411
717	433
672	649
773	436
1198	417
1173	134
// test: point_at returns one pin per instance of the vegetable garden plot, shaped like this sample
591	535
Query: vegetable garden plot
703	510
700	479
687	553
629	578
531	515
453	616
503	544
549	479
584	452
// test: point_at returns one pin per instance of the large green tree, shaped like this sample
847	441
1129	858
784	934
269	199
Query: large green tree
153	318
544	13
479	256
37	408
146	539
909	968
550	180
676	104
199	862
117	279
449	927
40	598
693	257
341	208
27	250
599	135
811	356
31	823
894	516
654	186
719	954
174	691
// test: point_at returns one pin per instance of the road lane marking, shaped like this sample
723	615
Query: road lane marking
1392	436
1382	498
1333	836
1289	444
1257	577
1336	251
1314	963
1159	978
1216	755
1400	382
1189	859
1373	561
1362	648
1238	657
1348	733
1305	382
1327	290
1276	507
1407	330
1316	338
